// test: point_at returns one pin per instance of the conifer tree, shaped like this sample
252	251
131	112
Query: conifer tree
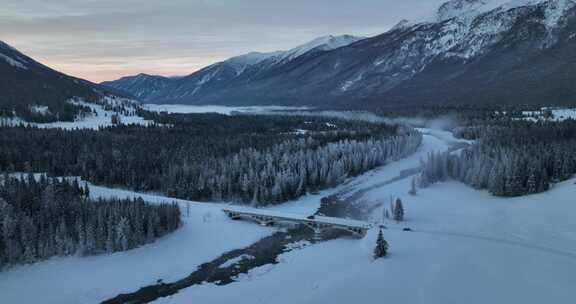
532	182
52	217
512	159
86	190
413	190
398	211
381	249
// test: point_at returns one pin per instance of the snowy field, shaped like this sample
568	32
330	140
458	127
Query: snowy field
471	248
557	114
466	247
206	234
184	109
102	119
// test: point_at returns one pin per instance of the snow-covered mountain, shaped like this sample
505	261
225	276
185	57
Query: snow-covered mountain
471	51
324	43
141	85
474	52
32	91
191	88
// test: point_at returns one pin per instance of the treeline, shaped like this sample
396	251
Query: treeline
63	108
56	112
208	156
287	170
462	115
510	159
50	217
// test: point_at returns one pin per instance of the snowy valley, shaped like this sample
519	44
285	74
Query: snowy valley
461	239
430	159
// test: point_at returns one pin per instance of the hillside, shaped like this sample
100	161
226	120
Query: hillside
33	92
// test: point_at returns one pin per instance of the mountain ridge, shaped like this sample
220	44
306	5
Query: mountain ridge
477	59
475	52
28	85
218	75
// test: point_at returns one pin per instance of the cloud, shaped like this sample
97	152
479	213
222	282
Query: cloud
105	39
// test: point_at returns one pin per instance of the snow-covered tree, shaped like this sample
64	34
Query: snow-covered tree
413	189
515	159
52	217
381	249
398	211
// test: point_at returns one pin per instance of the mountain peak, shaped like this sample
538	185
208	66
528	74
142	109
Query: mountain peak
143	75
402	24
466	8
11	56
324	43
469	9
6	46
252	57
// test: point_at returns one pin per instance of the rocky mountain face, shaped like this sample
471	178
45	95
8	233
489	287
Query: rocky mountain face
474	52
140	86
33	91
217	77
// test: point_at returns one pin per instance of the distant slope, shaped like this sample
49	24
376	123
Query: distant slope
475	52
140	86
216	77
35	92
471	53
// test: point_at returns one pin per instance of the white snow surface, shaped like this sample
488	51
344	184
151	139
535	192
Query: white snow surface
324	43
469	9
253	57
236	260
102	119
559	114
40	110
241	62
471	248
470	28
467	247
205	235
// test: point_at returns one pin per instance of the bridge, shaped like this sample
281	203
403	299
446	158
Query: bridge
317	223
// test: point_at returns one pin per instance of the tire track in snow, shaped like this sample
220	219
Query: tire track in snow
492	239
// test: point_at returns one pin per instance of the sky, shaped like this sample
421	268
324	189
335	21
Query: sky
106	39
